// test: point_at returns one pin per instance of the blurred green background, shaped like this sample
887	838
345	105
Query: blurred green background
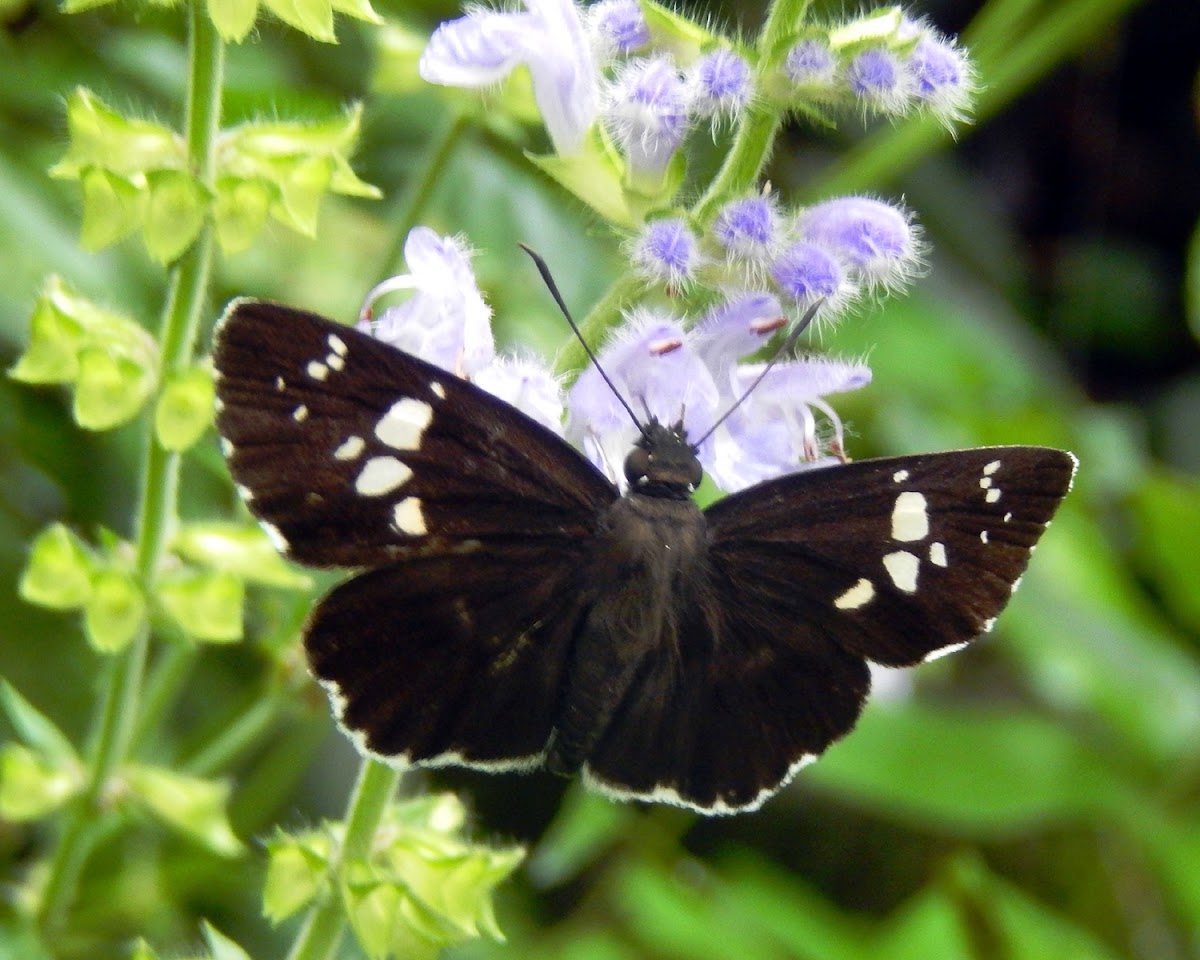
1034	797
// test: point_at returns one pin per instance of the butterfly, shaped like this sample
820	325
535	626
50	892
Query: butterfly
514	610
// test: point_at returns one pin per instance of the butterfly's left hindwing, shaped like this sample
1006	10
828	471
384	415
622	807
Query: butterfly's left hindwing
357	454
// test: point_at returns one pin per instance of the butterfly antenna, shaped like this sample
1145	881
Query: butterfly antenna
553	288
785	348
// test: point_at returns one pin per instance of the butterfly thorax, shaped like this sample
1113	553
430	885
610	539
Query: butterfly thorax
647	563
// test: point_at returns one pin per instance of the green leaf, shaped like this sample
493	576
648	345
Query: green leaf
55	338
241	549
314	17
114	613
220	946
59	572
234	19
297	868
984	772
101	138
35	728
207	605
682	37
113	207
190	805
587	824
175	213
596	176
1167	509
240	212
111	389
184	409
32	786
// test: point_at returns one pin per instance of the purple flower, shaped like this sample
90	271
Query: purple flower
748	229
667	252
810	63
876	77
876	241
619	26
734	329
941	77
722	84
647	111
485	46
775	431
654	365
528	385
446	320
807	272
447	323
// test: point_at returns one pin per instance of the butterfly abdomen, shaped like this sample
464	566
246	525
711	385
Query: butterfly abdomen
649	556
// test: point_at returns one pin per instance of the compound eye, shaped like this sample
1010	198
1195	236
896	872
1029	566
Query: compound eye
637	465
697	474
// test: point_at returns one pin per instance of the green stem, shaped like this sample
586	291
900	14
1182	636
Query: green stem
113	728
755	137
323	927
412	201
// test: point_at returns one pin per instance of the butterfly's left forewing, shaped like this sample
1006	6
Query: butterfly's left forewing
474	519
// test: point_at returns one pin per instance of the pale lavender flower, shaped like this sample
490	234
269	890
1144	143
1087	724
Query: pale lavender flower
808	272
667	251
647	111
445	320
619	26
654	365
941	77
722	84
810	63
735	328
485	46
878	242
748	229
775	431
527	384
877	78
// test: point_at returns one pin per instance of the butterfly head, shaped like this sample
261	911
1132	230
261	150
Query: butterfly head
663	463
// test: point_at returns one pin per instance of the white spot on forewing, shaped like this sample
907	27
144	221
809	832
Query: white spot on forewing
402	426
992	495
985	482
1016	583
336	362
438	390
858	595
226	447
350	449
902	567
988	624
336	344
381	475
300	414
944	651
316	370
245	493
899	476
983	536
991	468
910	518
408	517
280	385
937	554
